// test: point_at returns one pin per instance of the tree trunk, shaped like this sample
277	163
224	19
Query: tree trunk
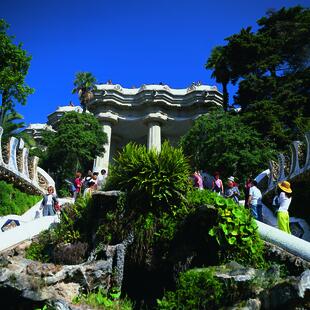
225	96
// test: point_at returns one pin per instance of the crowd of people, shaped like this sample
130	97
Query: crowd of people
253	195
86	185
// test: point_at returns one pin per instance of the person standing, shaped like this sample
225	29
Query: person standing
48	202
255	201
101	179
284	201
232	190
217	184
198	182
77	184
247	187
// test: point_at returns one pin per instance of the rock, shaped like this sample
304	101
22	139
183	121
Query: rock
294	264
50	282
304	283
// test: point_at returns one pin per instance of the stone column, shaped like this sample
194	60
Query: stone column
154	136
154	121
102	162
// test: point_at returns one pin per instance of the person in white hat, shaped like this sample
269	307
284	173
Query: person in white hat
284	201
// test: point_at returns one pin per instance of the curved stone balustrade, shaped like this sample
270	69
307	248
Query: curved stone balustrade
276	172
22	169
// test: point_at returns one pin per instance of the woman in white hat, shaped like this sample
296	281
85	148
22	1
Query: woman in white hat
284	201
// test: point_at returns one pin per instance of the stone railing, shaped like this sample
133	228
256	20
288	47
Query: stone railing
17	167
286	169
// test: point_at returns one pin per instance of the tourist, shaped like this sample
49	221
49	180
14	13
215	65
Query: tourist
102	179
95	179
232	190
217	184
198	182
78	185
48	202
255	201
87	179
89	190
284	201
247	187
207	180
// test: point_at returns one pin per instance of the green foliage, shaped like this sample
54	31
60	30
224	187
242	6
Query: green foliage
234	229
40	250
72	229
155	185
84	83
155	182
14	65
196	289
271	67
221	141
102	300
37	252
13	201
78	140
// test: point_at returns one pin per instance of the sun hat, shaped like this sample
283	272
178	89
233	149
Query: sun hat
285	186
232	179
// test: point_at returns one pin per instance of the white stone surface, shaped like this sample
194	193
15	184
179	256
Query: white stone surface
290	243
30	226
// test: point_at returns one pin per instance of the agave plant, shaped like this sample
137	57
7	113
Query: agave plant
84	84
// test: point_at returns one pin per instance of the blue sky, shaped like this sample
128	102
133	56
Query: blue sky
131	42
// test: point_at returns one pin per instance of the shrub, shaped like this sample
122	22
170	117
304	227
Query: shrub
72	230
102	300
196	289
234	229
13	201
156	185
155	181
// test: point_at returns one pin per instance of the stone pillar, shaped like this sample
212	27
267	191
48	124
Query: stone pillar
154	121
154	136
102	162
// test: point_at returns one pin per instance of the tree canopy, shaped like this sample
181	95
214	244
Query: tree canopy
14	65
271	68
221	141
78	140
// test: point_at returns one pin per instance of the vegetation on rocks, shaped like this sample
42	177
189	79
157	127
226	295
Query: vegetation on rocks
13	201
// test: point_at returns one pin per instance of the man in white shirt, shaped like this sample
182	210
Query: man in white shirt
255	201
101	179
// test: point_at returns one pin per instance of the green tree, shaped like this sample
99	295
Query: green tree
11	124
14	65
84	83
221	141
221	72
271	68
78	140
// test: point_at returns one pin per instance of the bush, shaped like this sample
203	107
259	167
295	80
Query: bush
156	185
13	201
155	182
72	231
234	228
196	289
101	300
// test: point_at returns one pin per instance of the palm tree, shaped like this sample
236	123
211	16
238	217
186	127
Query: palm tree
84	84
218	63
11	125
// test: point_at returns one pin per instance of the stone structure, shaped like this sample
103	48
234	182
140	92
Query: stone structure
16	166
53	118
35	130
283	169
149	114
